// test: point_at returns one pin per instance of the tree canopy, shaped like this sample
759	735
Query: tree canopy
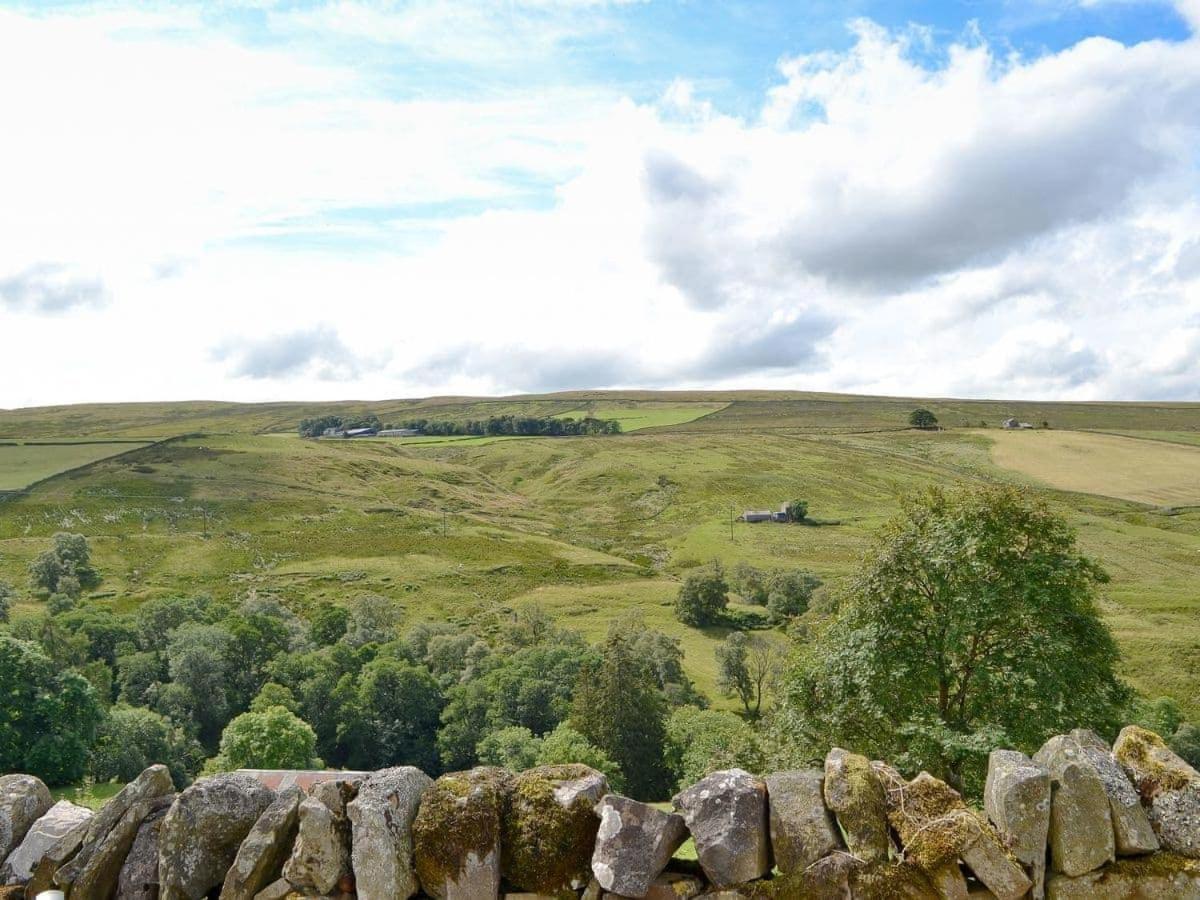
922	418
971	625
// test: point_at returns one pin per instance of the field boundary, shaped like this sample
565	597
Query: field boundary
142	445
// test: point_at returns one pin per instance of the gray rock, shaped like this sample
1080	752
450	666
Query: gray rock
1167	784
1016	798
667	886
276	890
1131	826
60	820
854	794
203	830
321	855
456	834
99	876
802	829
60	853
552	806
1164	876
139	874
260	858
1081	831
381	817
727	816
152	783
23	800
634	844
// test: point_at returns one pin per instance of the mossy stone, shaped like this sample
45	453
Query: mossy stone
456	834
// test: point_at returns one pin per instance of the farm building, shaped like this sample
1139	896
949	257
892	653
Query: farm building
766	515
359	432
399	432
1012	424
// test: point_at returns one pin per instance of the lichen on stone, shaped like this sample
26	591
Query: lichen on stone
1143	750
460	817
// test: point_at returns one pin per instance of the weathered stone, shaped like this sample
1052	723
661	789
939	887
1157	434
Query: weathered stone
53	859
948	882
634	844
99	876
1081	831
1167	784
552	807
854	794
1132	832
727	816
321	855
203	830
667	886
382	818
139	873
23	800
991	864
60	820
456	834
1163	876
260	858
1016	798
898	881
276	890
151	783
802	829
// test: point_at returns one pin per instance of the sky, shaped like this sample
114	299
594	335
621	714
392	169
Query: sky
255	200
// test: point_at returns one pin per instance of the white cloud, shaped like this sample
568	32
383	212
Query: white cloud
268	221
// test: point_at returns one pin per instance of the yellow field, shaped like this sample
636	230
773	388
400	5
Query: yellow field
1144	471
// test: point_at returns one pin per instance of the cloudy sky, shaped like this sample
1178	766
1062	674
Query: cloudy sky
278	200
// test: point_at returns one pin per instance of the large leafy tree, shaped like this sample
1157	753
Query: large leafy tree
619	708
972	625
703	741
702	598
131	738
66	567
393	718
270	738
48	718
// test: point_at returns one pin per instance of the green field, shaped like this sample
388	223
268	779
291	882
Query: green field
23	464
638	416
589	528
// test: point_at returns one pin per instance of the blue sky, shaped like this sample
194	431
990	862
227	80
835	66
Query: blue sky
267	200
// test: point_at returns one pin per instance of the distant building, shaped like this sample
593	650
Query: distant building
757	515
359	432
1012	424
400	432
333	432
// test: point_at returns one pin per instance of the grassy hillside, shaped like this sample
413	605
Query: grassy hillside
590	528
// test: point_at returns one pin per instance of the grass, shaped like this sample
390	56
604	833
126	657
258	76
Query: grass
590	528
1153	472
23	464
637	415
93	796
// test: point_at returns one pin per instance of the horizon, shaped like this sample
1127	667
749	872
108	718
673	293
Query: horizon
261	200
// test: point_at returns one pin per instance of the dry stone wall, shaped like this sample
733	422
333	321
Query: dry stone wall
1077	820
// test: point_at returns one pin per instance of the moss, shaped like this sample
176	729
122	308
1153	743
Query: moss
547	847
901	881
1153	865
934	824
861	806
1158	768
461	814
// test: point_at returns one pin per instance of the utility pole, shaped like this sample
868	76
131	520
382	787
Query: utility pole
443	523
731	523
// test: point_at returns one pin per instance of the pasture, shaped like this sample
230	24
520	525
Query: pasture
594	528
23	464
1153	472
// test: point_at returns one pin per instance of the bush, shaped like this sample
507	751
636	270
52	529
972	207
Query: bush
273	738
703	741
702	598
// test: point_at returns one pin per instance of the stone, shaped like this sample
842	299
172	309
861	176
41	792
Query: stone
381	818
456	834
1081	831
203	830
854	794
937	830
260	858
1163	876
60	820
1132	832
321	854
150	784
634	844
1167	785
1016	798
726	814
802	829
948	882
99	876
53	859
552	807
667	886
139	873
276	890
23	800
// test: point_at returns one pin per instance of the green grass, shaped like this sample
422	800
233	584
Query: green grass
93	796
589	528
635	415
23	464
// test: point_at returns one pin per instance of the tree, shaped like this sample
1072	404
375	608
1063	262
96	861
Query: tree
328	623
922	418
270	738
664	655
373	620
138	677
394	717
618	708
48	718
157	619
273	694
789	593
797	510
198	660
746	669
132	738
566	745
65	568
972	625
513	748
702	598
703	741
7	597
